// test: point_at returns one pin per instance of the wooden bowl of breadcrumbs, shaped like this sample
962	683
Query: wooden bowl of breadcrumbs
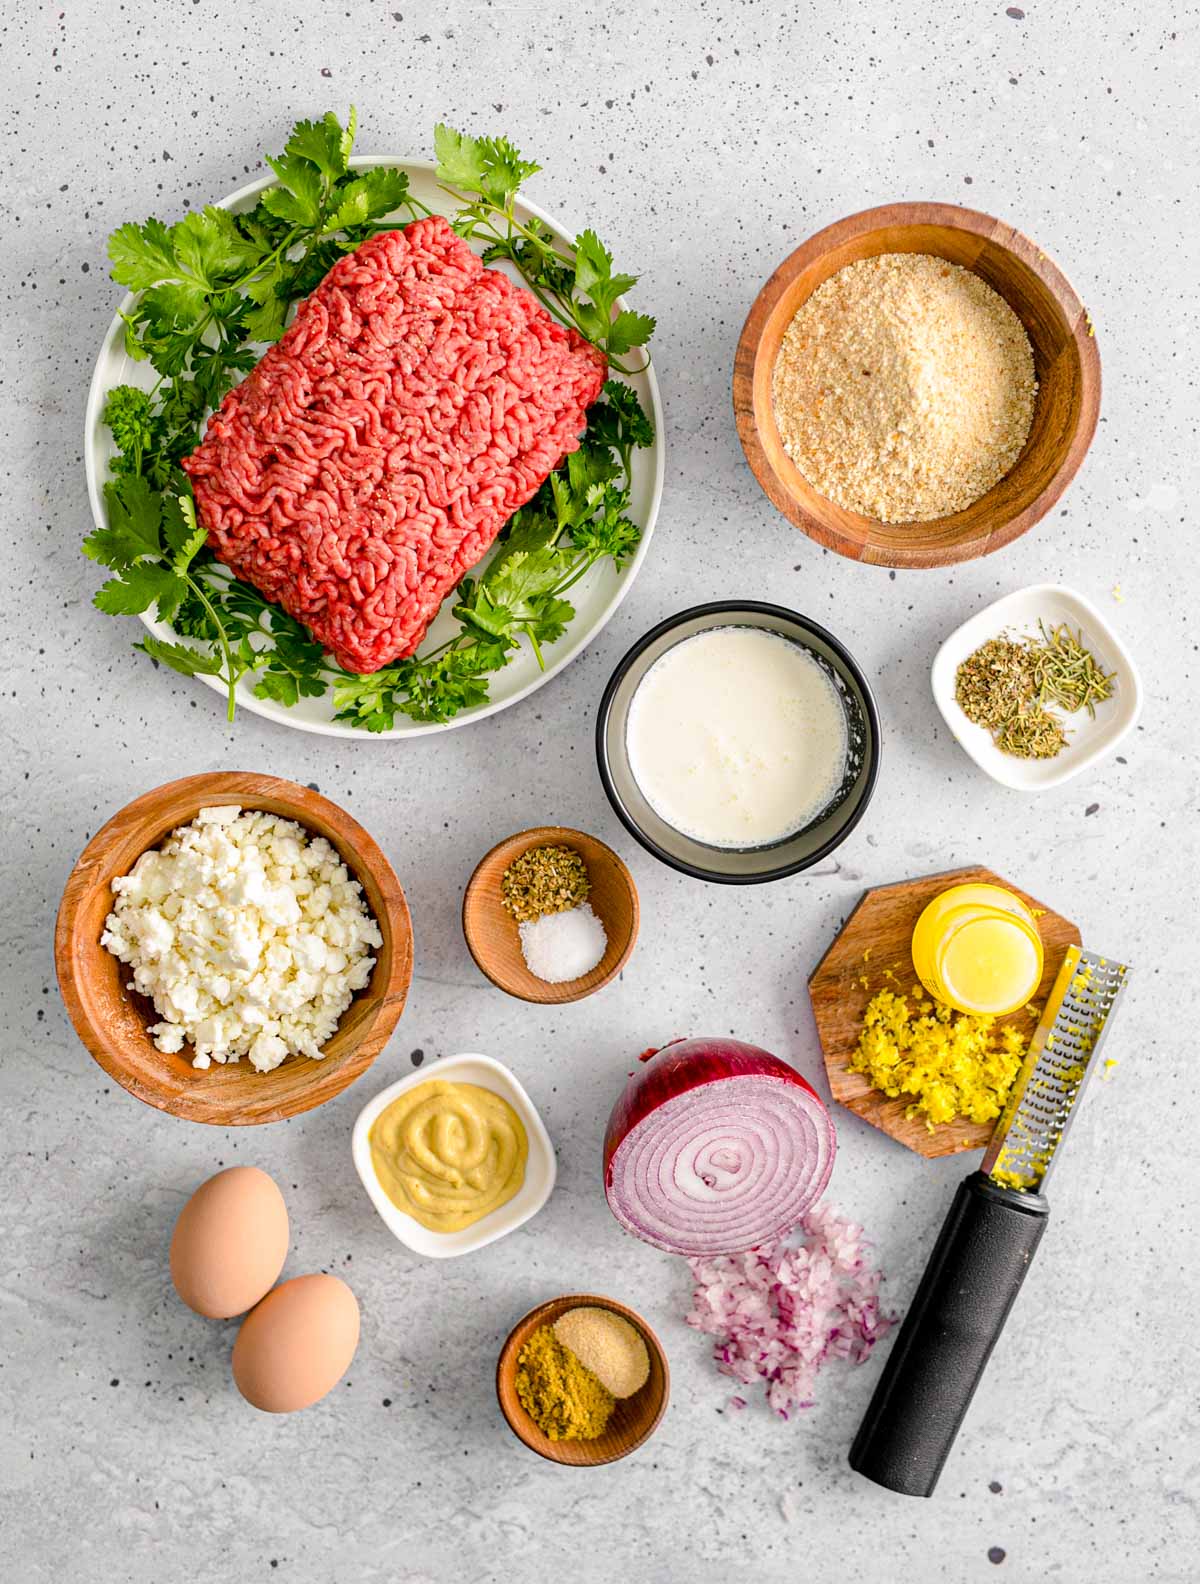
904	416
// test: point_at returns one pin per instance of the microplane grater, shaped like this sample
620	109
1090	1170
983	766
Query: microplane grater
987	1241
1063	1054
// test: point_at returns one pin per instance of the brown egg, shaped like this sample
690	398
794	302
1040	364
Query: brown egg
229	1243
297	1344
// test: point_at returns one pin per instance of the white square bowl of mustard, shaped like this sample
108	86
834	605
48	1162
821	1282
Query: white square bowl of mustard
439	1158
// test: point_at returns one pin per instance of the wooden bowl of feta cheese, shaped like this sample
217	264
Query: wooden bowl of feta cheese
233	948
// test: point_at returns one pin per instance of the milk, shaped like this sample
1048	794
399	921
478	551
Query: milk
737	737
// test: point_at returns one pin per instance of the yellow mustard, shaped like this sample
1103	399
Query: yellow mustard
448	1154
976	948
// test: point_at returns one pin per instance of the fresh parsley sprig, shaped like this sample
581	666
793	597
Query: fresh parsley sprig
214	283
579	289
214	286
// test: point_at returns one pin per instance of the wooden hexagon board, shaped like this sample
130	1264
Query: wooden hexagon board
877	936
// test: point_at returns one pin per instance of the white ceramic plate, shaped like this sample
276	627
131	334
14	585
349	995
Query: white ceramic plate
595	598
1089	739
541	1168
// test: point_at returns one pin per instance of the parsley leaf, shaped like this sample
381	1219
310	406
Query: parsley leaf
210	249
151	539
593	272
323	143
130	418
266	320
298	198
134	519
141	255
491	167
183	535
377	192
433	689
581	289
628	330
511	600
609	535
618	420
459	157
181	658
140	585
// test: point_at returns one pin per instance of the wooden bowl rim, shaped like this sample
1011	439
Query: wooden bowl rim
560	835
950	217
506	1364
247	787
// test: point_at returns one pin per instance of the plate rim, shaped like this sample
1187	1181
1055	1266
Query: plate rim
268	709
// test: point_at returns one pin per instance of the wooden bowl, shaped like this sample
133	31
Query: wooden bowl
842	983
1066	361
492	933
112	1021
634	1420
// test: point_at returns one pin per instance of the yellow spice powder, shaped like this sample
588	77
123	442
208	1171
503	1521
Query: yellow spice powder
565	1400
904	387
951	1063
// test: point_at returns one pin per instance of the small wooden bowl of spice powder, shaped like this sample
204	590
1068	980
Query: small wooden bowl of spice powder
551	915
582	1380
916	385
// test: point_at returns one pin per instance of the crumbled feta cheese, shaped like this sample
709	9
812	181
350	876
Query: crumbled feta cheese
250	937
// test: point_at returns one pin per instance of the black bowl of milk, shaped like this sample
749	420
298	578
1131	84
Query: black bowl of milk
738	742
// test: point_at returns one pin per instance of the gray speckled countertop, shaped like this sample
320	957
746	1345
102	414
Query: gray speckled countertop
704	149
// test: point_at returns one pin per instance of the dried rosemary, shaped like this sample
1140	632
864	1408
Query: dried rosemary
1066	674
1007	684
1031	734
544	880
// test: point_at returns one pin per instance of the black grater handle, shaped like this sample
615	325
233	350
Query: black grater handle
972	1278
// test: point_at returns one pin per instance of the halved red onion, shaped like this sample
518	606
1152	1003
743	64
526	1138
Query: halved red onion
715	1147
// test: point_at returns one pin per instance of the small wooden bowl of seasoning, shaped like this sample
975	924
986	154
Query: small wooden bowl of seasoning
551	915
906	385
540	1373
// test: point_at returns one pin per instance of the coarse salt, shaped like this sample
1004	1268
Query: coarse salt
562	946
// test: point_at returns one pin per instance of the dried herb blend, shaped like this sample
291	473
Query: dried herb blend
544	880
1007	684
1031	734
995	682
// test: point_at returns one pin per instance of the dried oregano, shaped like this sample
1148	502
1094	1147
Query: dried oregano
544	880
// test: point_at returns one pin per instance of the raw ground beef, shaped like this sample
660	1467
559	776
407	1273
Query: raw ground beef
373	455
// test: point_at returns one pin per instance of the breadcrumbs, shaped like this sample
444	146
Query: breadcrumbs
904	388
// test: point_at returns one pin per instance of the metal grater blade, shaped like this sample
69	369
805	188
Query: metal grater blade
1062	1055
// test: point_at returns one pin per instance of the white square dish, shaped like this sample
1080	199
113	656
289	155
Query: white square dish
1090	738
541	1168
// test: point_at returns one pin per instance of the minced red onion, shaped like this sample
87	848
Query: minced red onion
780	1312
715	1146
